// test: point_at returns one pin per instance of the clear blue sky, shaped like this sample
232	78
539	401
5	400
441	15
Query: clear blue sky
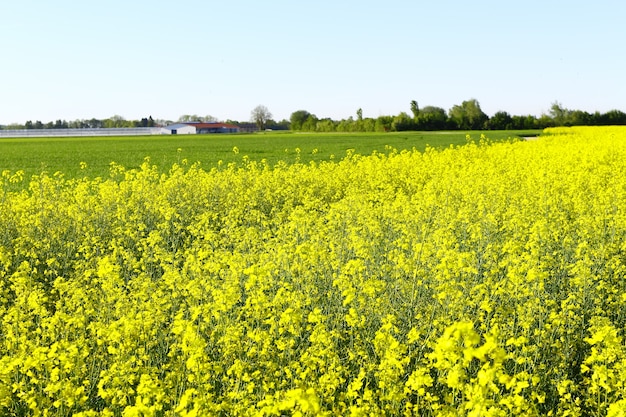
70	59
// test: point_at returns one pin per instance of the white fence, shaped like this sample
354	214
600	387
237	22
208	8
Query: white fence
42	133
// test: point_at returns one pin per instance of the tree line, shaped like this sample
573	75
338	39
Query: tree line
466	116
111	122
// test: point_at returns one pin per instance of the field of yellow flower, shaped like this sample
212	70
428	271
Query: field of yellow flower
482	280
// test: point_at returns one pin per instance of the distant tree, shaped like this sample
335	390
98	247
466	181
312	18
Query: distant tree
402	122
359	114
298	118
468	115
77	124
524	122
580	118
96	123
326	125
144	122
383	123
185	118
28	124
559	114
260	115
38	125
272	124
14	126
346	125
281	125
500	121
368	124
544	121
189	118
612	117
432	118
415	109
116	121
60	124
310	125
164	122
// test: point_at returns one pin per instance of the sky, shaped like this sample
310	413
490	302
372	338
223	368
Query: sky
72	60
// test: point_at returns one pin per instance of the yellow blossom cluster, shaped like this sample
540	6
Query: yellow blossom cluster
481	280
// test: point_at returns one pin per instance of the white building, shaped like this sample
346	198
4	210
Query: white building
179	129
191	128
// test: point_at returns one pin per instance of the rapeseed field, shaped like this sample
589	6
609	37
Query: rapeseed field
482	280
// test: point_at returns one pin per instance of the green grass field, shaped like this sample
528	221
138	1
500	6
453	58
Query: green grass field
35	155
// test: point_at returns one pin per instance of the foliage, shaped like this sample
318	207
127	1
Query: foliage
260	115
298	119
195	118
112	122
500	120
468	115
403	122
415	109
432	118
486	279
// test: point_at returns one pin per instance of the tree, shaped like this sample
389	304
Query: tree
501	120
359	114
580	118
612	117
310	125
60	124
432	118
260	115
326	125
116	121
298	118
559	114
368	125
402	122
415	109
346	125
468	115
95	123
281	125
185	118
13	126
543	121
383	123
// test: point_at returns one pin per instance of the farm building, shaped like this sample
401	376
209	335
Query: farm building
179	129
191	128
